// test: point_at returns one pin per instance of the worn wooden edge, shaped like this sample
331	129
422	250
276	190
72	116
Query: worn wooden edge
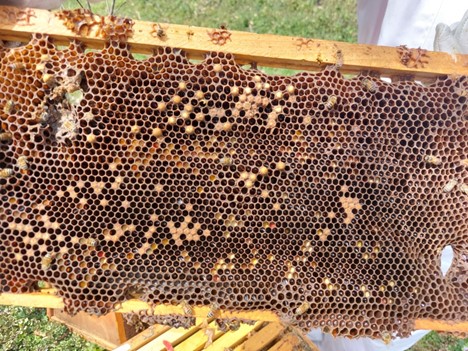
265	337
263	49
235	338
46	298
143	338
107	331
119	320
86	334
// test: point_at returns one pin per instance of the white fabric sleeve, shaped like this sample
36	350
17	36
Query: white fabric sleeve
403	22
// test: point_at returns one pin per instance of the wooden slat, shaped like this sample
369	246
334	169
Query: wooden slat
305	341
173	335
104	330
143	338
37	299
264	49
233	338
288	342
264	337
46	299
447	326
198	340
293	340
120	324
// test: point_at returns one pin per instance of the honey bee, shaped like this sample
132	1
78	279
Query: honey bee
5	136
331	102
159	31
449	186
369	85
6	173
386	337
17	66
188	310
464	188
302	309
213	310
135	291
22	163
9	107
48	79
46	261
433	160
234	324
43	118
461	92
221	325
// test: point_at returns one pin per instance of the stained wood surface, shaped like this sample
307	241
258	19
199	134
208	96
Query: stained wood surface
260	336
143	338
263	49
106	331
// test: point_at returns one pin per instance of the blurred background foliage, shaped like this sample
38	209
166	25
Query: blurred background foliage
325	19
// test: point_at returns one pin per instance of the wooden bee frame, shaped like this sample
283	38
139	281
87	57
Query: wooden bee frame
265	50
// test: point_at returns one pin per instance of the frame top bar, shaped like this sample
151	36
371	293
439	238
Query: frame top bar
262	49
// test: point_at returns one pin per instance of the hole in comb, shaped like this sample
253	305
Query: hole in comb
446	259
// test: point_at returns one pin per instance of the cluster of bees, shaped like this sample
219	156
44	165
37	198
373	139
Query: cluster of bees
22	162
412	58
60	86
83	22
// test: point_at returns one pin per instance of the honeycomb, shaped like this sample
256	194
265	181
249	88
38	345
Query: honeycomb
324	199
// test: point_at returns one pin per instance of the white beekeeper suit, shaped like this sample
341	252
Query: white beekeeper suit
431	25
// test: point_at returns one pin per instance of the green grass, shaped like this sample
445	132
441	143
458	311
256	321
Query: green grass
440	342
28	329
327	19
